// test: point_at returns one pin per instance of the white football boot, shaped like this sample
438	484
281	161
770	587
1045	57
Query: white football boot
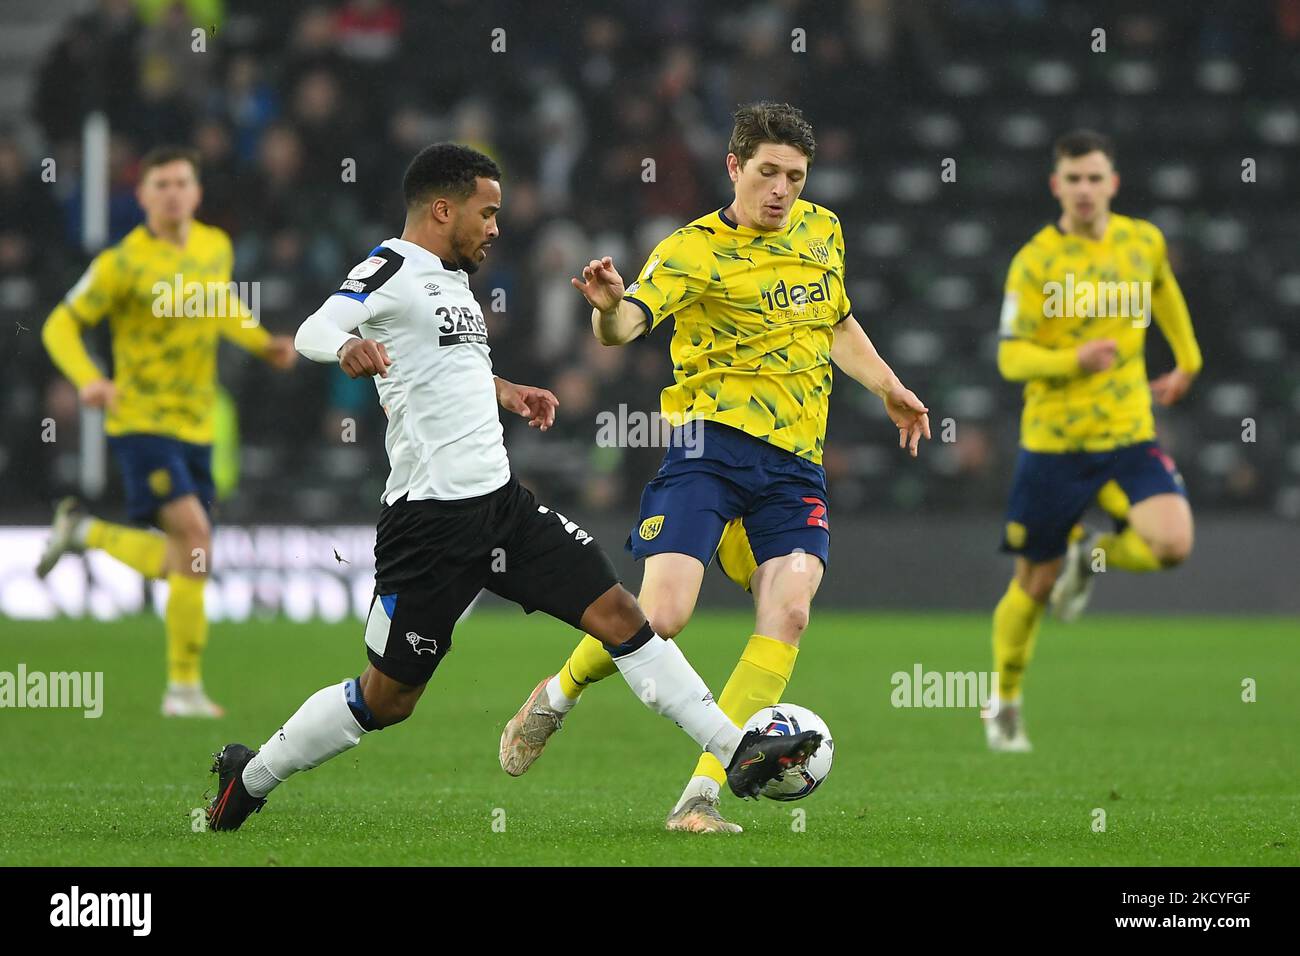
64	530
189	700
700	814
1073	589
527	732
1005	730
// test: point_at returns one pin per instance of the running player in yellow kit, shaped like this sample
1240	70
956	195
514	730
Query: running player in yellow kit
1079	298
167	294
756	291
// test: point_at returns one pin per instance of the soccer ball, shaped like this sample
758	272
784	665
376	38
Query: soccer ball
786	719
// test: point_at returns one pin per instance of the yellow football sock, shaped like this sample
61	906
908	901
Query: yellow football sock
758	681
1015	629
1113	500
136	548
187	628
588	663
1127	551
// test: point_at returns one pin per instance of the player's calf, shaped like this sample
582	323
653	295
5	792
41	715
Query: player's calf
388	701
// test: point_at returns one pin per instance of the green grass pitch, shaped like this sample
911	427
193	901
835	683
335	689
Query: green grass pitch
1140	717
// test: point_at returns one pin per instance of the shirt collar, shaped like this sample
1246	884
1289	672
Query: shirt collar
414	251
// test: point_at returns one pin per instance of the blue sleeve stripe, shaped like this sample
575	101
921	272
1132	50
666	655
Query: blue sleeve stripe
359	296
649	319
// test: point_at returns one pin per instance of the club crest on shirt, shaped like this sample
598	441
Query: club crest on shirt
819	251
651	527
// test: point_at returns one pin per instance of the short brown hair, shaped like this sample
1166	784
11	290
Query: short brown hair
162	155
767	122
1081	142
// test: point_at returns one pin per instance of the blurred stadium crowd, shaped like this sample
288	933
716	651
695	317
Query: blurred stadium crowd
583	94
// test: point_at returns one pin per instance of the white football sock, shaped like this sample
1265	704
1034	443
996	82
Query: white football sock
699	787
557	699
664	681
323	727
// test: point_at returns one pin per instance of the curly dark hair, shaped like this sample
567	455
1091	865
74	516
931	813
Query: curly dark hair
767	122
447	169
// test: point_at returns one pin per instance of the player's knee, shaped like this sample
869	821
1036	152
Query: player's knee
1171	550
614	616
667	622
1037	581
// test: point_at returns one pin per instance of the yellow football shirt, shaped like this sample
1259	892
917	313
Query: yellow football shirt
167	308
1064	290
754	315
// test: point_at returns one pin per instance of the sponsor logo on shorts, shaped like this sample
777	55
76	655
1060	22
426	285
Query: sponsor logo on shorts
160	482
416	642
651	527
1163	457
570	527
817	515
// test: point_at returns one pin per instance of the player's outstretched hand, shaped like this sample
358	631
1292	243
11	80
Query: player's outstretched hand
535	404
280	353
600	285
101	393
1097	355
1170	387
910	415
364	357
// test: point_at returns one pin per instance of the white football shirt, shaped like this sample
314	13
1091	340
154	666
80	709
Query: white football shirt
444	436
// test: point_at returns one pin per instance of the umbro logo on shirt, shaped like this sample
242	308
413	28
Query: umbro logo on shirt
432	287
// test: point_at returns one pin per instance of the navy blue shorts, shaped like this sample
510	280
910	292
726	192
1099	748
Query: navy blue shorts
1050	492
157	469
713	475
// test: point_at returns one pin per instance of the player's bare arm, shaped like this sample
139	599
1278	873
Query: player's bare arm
101	393
855	355
1172	386
538	405
280	353
614	321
